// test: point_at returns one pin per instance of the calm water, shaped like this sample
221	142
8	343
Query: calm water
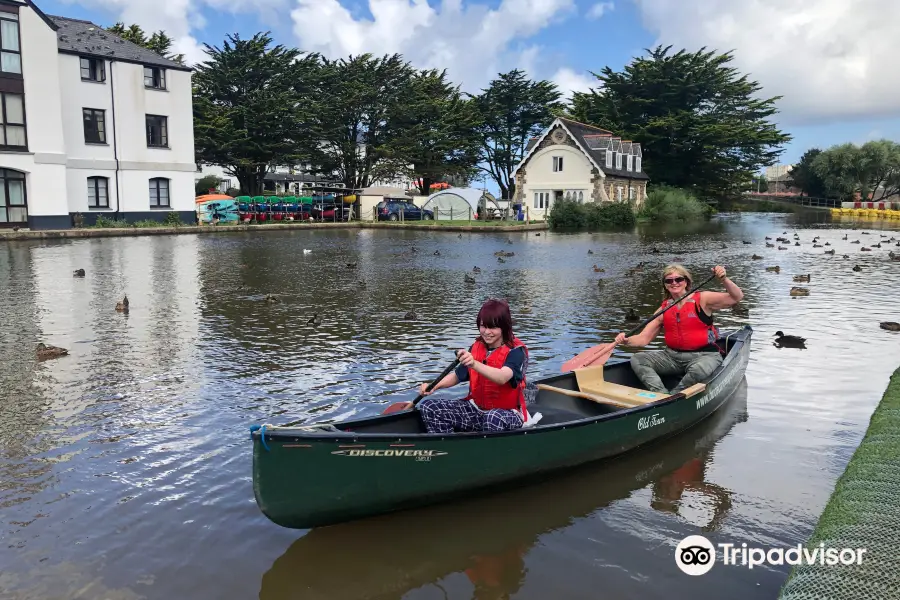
125	466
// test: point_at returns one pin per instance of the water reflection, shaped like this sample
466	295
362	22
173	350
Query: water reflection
487	538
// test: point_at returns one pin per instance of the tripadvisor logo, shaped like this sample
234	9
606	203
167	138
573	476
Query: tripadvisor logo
696	555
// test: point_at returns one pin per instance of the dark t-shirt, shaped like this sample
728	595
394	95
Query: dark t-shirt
515	360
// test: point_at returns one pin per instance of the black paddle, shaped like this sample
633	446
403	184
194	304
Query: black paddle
399	406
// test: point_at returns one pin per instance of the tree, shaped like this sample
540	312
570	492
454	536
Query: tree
159	42
804	177
699	123
512	110
354	117
871	169
434	131
253	107
206	183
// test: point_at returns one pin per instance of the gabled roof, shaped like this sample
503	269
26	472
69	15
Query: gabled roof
41	14
593	142
84	38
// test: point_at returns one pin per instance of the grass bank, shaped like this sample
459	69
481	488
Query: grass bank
162	229
862	512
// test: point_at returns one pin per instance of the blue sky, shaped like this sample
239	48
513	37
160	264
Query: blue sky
828	60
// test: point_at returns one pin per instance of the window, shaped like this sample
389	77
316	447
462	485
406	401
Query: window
157	131
13	207
631	193
98	192
557	164
609	159
541	200
94	126
619	161
10	53
12	133
568	195
637	164
619	193
159	193
580	197
629	163
155	78
93	69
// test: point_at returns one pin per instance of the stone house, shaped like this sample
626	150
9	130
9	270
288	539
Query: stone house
574	161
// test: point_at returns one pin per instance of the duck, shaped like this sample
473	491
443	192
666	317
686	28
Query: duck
509	241
437	252
469	279
889	326
817	245
845	237
865	233
45	351
857	268
632	315
654	250
801	278
526	310
878	245
864	249
775	269
599	269
799	291
271	299
756	257
746	242
829	251
768	245
827	243
768	238
723	246
796	243
411	315
459	236
500	259
78	273
786	340
315	321
307	251
846	256
590	251
782	248
476	269
123	305
855	242
538	234
351	265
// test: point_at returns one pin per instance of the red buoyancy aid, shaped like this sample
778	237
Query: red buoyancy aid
688	328
486	393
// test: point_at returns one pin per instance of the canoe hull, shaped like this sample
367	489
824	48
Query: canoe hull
304	479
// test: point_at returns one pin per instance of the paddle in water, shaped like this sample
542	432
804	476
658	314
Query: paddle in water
401	406
598	355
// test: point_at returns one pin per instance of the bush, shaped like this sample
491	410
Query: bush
172	220
567	214
206	183
104	222
666	203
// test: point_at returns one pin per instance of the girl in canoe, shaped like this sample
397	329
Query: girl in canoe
495	369
691	352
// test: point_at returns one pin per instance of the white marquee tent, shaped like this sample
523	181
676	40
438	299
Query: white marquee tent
454	203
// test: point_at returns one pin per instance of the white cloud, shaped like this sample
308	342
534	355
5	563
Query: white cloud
600	9
473	42
830	59
569	81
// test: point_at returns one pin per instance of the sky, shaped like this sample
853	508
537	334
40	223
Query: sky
830	60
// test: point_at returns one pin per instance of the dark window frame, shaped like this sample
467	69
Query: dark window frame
5	16
164	131
94	67
94	181
101	129
4	124
4	202
157	78
155	195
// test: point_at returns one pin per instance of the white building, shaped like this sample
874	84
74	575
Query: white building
91	124
578	162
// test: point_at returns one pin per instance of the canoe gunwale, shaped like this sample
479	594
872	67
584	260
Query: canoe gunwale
283	433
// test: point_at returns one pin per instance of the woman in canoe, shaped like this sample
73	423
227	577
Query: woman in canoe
495	368
691	352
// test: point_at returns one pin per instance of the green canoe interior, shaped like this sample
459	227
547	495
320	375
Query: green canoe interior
554	407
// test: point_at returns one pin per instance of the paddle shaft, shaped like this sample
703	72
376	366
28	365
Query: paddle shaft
437	381
686	294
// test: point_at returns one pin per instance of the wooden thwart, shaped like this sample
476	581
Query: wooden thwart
592	386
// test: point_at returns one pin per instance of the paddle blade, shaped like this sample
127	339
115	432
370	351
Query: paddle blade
589	357
397	407
600	359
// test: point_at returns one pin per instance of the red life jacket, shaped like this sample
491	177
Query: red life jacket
688	328
486	393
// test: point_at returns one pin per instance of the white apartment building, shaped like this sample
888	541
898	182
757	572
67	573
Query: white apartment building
91	124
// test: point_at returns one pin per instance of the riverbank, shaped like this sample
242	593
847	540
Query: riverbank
95	232
863	512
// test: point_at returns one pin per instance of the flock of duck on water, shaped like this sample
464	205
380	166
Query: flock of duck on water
45	351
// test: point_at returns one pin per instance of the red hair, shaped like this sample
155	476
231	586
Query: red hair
495	313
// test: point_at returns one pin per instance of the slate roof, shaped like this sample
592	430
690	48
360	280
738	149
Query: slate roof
84	38
588	137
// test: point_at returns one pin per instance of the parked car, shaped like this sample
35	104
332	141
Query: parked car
389	210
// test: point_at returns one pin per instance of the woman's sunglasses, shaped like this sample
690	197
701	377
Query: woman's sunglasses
673	280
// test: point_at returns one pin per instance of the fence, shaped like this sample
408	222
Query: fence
457	214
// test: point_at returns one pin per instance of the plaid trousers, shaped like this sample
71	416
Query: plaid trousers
447	416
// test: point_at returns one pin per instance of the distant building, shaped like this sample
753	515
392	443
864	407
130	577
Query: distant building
777	171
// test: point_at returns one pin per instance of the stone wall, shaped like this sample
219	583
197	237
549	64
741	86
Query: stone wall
640	188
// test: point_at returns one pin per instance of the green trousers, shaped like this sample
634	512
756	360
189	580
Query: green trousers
693	367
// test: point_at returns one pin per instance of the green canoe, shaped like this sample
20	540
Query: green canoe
312	476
